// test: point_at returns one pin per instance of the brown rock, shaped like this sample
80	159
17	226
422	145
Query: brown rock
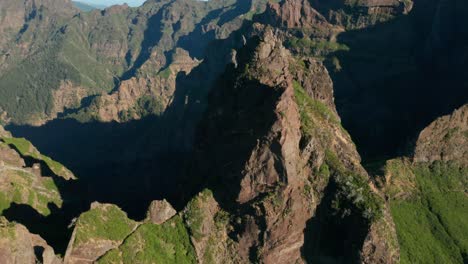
381	244
160	211
19	246
445	139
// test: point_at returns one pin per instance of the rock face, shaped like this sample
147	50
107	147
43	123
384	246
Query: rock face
361	13
18	246
278	135
160	211
142	96
209	227
445	139
294	14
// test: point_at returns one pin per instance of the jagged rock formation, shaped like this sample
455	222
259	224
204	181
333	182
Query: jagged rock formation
445	139
248	101
18	246
160	211
265	140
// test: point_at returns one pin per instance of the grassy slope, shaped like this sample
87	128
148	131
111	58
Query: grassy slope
166	243
432	225
25	148
107	222
24	187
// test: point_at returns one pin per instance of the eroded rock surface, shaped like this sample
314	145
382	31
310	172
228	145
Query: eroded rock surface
160	211
445	139
19	246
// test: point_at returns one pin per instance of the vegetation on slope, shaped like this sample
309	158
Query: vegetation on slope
26	149
107	222
166	243
312	47
23	185
432	223
26	188
353	191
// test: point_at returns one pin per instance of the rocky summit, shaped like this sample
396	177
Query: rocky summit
229	131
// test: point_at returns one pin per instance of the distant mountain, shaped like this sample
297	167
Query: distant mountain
87	7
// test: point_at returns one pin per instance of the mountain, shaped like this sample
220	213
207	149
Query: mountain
87	7
118	47
430	190
226	131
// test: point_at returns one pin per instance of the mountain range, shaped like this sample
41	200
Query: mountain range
87	6
226	131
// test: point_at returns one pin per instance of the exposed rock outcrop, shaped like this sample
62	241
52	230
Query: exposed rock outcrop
19	246
282	135
160	211
141	96
445	139
361	13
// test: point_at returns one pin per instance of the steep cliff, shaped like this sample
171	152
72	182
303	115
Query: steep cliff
278	160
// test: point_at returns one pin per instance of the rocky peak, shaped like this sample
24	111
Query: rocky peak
265	138
160	211
445	139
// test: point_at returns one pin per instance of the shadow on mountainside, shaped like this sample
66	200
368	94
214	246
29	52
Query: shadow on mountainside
53	227
398	77
128	164
330	237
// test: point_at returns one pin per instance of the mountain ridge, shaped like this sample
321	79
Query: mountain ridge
268	125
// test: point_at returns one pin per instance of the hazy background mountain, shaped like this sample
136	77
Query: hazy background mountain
112	2
87	6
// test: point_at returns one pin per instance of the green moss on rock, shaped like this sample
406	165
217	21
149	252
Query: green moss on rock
25	148
166	243
103	222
